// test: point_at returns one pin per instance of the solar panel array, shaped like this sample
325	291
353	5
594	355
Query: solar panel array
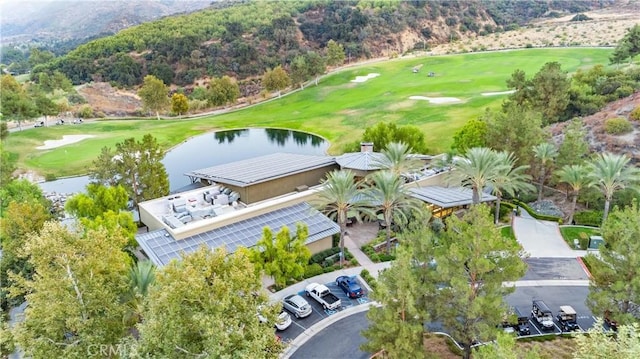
260	169
161	247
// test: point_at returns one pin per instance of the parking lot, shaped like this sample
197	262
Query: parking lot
300	325
554	297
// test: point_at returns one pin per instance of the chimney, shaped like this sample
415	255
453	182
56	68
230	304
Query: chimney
366	146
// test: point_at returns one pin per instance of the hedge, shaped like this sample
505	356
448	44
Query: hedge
588	218
536	215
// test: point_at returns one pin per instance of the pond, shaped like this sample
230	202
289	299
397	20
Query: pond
216	148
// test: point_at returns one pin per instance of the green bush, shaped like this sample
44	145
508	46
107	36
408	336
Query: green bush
85	112
50	177
367	277
588	218
321	256
617	126
313	270
353	262
386	257
635	114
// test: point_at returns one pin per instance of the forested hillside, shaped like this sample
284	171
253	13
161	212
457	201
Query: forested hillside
248	38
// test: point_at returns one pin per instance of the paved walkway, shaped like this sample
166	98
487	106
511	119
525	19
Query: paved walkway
542	239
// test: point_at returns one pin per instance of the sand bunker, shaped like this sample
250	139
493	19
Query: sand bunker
437	100
365	78
497	93
66	140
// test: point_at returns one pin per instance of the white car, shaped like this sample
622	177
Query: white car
283	322
297	305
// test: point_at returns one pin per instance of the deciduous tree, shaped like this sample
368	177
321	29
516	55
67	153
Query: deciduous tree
335	53
550	88
384	133
154	94
600	344
206	305
283	256
615	272
276	80
474	261
472	134
179	104
223	91
136	166
299	71
75	298
316	65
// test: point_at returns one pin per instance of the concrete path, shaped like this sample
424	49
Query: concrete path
542	239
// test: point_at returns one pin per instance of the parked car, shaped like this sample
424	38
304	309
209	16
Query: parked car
523	323
568	318
350	286
60	122
323	295
77	121
283	322
542	315
39	124
297	305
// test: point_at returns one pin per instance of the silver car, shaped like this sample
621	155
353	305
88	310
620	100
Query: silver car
297	305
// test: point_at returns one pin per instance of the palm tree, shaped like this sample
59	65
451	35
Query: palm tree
388	194
545	152
577	177
340	194
479	168
611	172
397	159
509	179
141	276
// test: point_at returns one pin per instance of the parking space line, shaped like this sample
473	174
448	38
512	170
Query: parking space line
301	326
534	326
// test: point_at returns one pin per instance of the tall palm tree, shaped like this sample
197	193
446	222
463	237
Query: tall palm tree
577	177
611	172
509	179
480	167
388	193
340	194
397	158
545	152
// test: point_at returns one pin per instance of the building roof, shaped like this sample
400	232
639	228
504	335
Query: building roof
447	197
161	247
261	169
363	161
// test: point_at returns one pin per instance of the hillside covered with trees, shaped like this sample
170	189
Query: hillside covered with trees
244	40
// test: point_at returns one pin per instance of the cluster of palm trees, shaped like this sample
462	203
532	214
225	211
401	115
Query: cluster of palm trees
479	169
482	168
381	192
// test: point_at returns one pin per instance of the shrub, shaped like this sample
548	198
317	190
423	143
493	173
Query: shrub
353	262
313	270
386	257
50	177
588	218
635	114
617	126
581	17
436	225
85	112
367	277
321	256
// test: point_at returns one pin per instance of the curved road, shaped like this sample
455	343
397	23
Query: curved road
340	340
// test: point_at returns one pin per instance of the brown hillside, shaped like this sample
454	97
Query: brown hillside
599	140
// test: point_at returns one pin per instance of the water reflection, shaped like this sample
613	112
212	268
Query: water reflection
212	149
229	135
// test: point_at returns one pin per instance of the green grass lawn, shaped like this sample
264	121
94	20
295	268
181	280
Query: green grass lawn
580	233
507	232
337	109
